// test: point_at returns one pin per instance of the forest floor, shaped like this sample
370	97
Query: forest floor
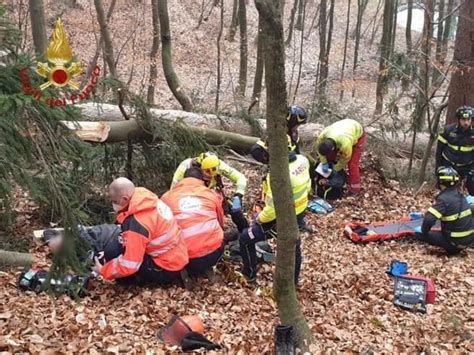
344	290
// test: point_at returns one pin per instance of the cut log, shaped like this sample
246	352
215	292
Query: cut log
13	258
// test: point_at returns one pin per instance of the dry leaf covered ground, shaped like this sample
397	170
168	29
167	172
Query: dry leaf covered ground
345	293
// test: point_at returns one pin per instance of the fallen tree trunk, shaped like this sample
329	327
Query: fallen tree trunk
13	258
113	132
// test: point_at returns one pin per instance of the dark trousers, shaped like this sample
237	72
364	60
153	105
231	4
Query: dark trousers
260	232
198	266
239	220
150	274
451	245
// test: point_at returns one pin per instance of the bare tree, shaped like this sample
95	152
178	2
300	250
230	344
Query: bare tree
361	6
38	26
299	18
234	22
259	67
243	48
344	56
292	21
166	58
385	50
150	97
289	310
325	36
408	28
108	46
461	88
219	67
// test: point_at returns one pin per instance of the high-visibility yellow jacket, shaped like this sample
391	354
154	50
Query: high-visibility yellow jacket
300	184
238	179
345	133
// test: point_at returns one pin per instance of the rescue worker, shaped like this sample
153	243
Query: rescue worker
154	250
451	207
199	213
213	170
342	144
296	117
264	224
455	146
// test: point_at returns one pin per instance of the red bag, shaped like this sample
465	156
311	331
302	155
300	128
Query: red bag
430	287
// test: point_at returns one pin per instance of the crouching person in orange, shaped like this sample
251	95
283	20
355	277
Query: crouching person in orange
199	213
154	252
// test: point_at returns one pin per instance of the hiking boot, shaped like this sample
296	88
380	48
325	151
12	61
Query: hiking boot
187	282
210	274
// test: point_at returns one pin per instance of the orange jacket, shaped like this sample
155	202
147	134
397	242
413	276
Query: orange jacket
149	228
200	216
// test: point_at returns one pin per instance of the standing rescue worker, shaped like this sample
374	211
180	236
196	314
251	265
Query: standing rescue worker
452	208
342	144
264	224
154	250
296	117
198	211
455	146
213	170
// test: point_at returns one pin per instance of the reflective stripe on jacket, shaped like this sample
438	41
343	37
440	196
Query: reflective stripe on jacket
300	184
345	133
456	146
238	179
455	214
198	211
148	227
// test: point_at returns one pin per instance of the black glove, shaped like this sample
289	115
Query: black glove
194	341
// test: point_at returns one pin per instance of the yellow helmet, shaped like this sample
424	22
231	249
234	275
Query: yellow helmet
209	163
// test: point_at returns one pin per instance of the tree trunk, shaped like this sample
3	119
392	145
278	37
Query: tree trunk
300	64
344	56
292	21
13	258
105	34
234	22
150	97
361	5
461	88
38	27
170	75
422	96
219	67
394	28
257	83
289	310
323	67
243	48
408	28
385	49
299	18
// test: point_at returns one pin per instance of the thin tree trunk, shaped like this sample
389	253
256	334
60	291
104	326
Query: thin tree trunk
257	84
150	97
323	68
104	31
300	66
394	28
292	21
219	67
234	22
438	67
361	5
13	258
38	27
461	88
425	64
408	28
385	48
344	56
289	310
170	75
299	18
243	48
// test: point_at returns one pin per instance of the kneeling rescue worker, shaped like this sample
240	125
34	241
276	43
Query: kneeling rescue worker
154	250
264	224
213	170
452	208
342	143
198	211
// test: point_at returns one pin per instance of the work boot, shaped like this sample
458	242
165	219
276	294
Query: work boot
187	282
284	340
